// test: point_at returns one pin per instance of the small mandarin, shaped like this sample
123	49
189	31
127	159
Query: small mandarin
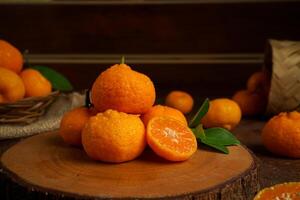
11	86
282	191
251	103
72	124
281	134
170	139
10	57
180	100
114	136
159	110
36	85
256	81
123	89
223	113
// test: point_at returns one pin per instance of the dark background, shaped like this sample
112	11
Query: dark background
232	35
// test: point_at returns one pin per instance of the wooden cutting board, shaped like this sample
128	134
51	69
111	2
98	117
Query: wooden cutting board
44	163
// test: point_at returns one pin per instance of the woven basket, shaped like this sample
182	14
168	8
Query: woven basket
283	60
26	110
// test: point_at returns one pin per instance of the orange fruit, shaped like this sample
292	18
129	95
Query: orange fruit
180	100
290	190
281	134
251	103
36	84
159	110
114	136
123	89
171	139
11	86
10	57
222	113
256	81
72	124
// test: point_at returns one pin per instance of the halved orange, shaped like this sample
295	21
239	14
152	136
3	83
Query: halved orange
171	139
290	190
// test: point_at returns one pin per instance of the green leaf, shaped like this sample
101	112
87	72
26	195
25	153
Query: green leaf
219	147
221	136
201	112
198	132
58	81
217	138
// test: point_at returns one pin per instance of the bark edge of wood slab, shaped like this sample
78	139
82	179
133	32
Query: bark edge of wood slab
44	164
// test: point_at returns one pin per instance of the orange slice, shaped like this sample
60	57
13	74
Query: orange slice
171	139
282	191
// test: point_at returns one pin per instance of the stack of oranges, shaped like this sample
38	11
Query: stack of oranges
124	120
16	82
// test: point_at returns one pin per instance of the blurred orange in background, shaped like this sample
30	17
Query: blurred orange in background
11	86
10	57
180	100
36	85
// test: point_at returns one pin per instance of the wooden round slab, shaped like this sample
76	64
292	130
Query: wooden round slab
45	164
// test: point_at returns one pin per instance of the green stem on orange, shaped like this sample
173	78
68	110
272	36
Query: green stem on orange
123	60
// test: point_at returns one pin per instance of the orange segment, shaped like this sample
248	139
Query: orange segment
171	139
280	192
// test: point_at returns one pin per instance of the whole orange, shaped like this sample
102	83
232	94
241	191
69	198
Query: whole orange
222	112
251	103
159	110
123	89
281	134
11	86
256	81
180	100
10	57
289	190
36	84
114	136
72	124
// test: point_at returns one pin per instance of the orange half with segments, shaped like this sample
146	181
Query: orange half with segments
171	139
290	190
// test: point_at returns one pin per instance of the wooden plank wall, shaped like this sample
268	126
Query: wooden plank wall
234	34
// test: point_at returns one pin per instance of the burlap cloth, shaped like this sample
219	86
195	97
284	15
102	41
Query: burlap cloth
50	121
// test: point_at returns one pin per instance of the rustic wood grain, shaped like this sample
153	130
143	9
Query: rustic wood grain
273	169
44	163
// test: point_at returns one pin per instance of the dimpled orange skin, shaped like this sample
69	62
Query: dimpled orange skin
180	100
36	85
280	191
251	103
159	110
123	89
11	86
170	139
223	113
281	134
72	124
114	137
10	57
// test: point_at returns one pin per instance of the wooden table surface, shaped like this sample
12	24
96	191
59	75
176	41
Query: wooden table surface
273	169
